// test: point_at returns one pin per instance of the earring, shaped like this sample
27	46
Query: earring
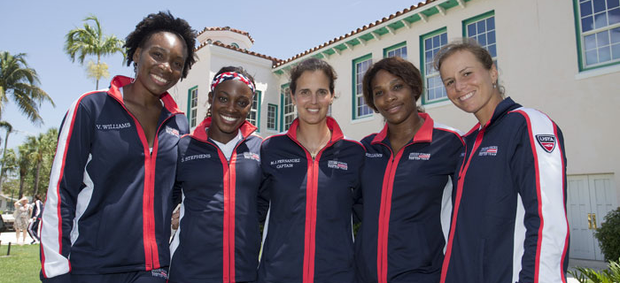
135	71
494	85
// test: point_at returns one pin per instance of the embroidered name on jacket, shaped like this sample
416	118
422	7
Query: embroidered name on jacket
488	151
251	155
419	156
374	155
337	165
113	126
195	157
284	163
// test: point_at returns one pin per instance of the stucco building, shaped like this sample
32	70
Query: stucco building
561	57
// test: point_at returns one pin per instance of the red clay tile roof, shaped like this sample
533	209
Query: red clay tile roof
274	61
354	32
225	29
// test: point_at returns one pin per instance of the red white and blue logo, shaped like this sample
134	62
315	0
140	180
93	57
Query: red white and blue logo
488	151
547	142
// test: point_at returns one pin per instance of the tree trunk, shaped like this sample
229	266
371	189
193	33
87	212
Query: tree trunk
36	178
6	141
98	60
22	179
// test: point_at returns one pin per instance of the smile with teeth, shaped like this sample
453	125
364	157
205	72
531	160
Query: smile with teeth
467	96
159	79
312	110
228	118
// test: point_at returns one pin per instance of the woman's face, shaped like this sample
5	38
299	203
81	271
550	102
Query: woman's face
231	102
469	84
160	62
312	97
392	97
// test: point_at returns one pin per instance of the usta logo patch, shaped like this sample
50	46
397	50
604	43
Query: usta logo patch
547	142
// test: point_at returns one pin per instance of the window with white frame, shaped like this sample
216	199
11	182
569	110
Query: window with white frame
192	106
254	114
482	29
360	65
599	32
272	117
398	50
431	43
288	108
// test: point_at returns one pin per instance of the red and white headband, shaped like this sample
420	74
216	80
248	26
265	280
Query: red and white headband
231	76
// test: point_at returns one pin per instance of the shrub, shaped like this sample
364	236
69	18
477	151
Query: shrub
588	275
608	235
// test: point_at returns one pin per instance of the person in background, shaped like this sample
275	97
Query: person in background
34	228
22	216
108	208
509	222
311	172
406	182
219	174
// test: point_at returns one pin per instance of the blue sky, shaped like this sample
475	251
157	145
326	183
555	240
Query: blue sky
280	29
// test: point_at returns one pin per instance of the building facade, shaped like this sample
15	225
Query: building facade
561	57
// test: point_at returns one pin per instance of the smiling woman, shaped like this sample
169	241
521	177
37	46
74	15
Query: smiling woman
406	182
219	176
109	203
311	174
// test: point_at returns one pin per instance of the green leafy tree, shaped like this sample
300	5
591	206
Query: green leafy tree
21	83
24	164
41	153
8	128
9	169
608	235
90	40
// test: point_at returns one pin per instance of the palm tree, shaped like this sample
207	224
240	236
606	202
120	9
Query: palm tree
24	166
90	40
22	83
41	149
9	128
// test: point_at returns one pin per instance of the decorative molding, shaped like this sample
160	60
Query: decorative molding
423	17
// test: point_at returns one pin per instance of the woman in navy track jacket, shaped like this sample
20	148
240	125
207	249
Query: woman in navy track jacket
406	182
108	207
311	173
219	173
509	222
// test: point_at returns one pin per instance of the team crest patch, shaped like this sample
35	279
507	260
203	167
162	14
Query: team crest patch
488	151
337	165
419	156
547	142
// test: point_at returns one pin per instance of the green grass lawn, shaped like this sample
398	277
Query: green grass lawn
21	266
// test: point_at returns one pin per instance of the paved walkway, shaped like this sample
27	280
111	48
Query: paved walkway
7	237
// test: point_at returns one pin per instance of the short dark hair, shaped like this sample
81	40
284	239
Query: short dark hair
162	21
471	45
396	66
312	64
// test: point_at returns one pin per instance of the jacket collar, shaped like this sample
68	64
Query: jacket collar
200	132
332	125
424	134
120	81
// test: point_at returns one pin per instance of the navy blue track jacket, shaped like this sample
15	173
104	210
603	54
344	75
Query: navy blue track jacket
509	222
109	198
407	204
218	238
309	235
